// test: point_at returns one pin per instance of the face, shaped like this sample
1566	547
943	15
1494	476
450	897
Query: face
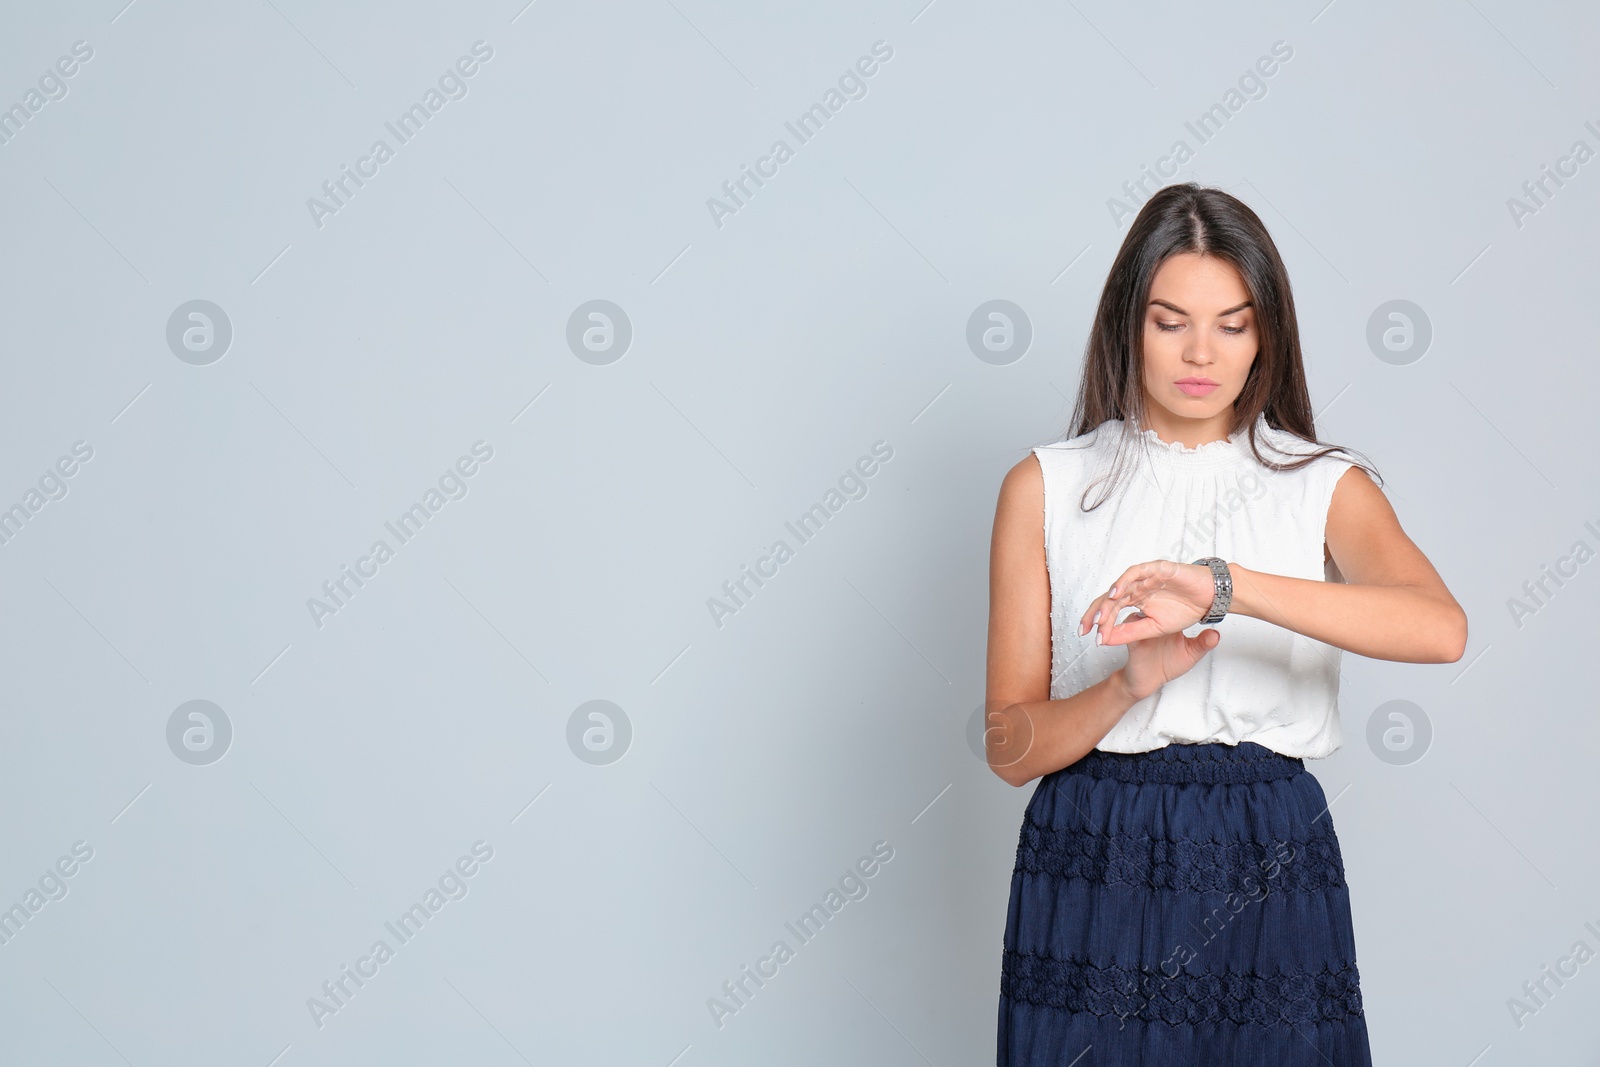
1199	342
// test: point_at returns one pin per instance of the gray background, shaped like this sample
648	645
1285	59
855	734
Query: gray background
768	354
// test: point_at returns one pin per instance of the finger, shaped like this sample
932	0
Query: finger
1132	596
1114	599
1135	628
1098	613
1114	606
1106	615
1133	593
1126	579
1088	618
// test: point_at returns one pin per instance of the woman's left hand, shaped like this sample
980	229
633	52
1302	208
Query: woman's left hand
1170	597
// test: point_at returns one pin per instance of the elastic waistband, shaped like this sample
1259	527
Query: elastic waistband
1214	763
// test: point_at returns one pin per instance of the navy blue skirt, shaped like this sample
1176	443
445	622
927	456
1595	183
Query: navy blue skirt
1184	906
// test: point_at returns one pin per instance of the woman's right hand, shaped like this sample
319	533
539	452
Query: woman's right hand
1155	661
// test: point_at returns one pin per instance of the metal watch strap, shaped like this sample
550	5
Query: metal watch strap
1224	584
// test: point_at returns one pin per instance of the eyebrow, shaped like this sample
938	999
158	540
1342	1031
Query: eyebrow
1224	312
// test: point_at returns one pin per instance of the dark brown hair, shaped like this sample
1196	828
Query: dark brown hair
1211	222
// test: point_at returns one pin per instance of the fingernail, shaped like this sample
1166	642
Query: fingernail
1113	591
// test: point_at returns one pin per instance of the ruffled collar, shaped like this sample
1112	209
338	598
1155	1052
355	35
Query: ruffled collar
1208	456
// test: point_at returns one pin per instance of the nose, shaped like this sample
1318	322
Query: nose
1198	348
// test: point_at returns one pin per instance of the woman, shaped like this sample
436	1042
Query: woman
1179	894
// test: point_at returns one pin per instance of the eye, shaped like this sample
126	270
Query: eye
1234	329
1168	327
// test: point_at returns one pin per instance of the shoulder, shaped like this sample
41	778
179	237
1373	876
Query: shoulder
1024	488
1354	495
1326	469
1020	513
1090	443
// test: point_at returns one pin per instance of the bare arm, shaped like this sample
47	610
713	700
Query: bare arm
1027	734
1394	607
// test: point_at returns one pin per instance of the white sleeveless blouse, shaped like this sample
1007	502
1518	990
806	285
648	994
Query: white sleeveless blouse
1262	682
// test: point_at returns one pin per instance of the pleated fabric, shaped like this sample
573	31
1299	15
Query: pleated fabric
1186	907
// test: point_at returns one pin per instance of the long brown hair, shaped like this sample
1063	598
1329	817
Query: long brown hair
1192	218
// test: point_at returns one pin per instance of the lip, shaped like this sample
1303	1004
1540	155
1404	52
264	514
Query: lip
1196	386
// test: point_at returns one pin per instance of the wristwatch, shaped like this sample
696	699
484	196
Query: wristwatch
1224	582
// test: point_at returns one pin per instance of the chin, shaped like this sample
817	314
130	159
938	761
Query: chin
1200	407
